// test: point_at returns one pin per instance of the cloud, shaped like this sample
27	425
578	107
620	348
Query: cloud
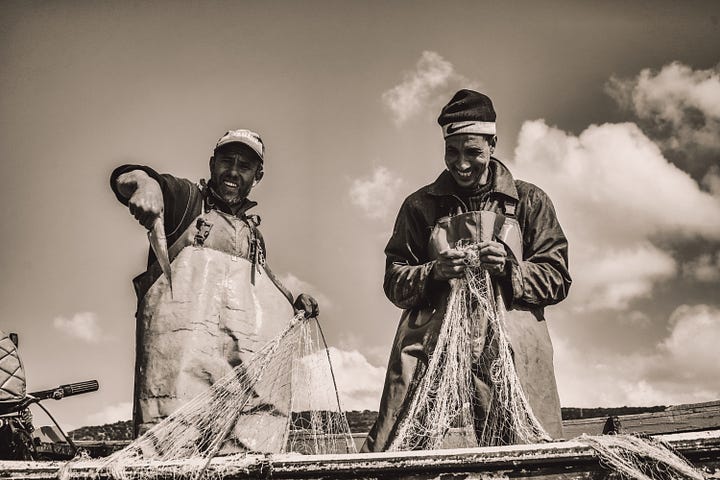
678	98
636	318
615	194
433	77
377	354
691	347
110	414
679	107
711	180
297	286
705	268
82	325
612	277
682	368
376	196
359	383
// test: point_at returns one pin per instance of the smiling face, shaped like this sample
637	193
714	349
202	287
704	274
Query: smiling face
467	157
233	169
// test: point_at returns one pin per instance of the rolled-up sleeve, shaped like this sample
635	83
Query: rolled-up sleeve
542	277
171	186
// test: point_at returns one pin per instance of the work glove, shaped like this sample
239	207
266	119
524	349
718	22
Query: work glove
308	304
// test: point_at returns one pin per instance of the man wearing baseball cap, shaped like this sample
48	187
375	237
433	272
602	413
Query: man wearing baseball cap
217	302
527	259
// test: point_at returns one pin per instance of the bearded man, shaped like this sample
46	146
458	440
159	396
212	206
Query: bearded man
221	303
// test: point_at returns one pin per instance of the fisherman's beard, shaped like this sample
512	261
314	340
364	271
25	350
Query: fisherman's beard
232	197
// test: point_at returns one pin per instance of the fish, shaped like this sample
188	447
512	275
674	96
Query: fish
158	242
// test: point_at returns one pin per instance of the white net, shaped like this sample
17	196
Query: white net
473	346
283	400
636	458
470	389
509	418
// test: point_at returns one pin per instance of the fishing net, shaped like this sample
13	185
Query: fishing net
283	400
472	343
636	458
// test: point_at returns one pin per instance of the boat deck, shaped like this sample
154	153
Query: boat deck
566	460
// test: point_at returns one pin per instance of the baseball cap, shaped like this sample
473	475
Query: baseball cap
248	137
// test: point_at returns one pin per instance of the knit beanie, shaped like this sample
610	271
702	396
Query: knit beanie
468	112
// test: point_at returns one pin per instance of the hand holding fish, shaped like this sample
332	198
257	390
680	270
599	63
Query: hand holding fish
144	196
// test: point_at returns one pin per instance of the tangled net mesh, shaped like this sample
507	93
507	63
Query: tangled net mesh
637	458
283	400
444	398
472	343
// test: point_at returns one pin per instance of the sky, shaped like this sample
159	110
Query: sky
612	108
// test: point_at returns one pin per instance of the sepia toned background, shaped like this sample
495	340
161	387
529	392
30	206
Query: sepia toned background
612	108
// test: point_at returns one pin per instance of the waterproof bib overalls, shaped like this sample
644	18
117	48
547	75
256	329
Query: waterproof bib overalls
529	338
223	308
419	328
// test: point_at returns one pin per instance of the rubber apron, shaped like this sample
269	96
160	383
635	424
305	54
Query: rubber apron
527	331
216	319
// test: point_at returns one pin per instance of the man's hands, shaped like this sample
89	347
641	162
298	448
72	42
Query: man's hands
451	263
308	304
493	257
144	196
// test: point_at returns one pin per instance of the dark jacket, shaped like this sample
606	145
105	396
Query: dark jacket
537	279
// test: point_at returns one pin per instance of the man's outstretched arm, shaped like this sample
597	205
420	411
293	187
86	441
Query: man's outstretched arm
303	301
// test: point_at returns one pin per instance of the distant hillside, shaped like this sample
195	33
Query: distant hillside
111	431
360	422
363	421
572	413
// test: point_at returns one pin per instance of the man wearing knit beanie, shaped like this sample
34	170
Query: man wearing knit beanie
526	256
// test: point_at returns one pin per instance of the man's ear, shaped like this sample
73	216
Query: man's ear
493	141
212	163
258	175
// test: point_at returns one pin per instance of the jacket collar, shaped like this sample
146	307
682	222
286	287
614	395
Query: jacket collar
503	182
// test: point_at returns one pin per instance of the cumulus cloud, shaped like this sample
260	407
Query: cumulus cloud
611	277
636	318
615	193
433	77
377	195
82	325
711	180
691	346
679	107
359	383
678	98
110	414
377	354
298	286
705	268
682	368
